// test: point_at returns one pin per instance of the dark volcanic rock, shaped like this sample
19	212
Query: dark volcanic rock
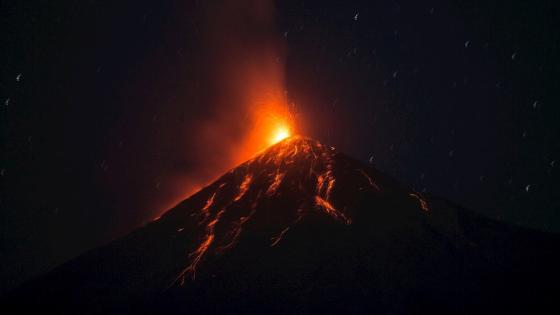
302	228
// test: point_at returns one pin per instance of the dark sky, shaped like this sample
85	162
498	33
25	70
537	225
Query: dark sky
101	104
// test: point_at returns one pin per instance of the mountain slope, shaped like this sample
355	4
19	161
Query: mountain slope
302	228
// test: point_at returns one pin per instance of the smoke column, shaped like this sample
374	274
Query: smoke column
246	99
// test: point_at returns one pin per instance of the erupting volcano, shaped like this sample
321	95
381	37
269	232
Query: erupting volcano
280	134
303	228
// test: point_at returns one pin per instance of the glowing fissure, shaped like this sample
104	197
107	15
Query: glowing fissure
244	187
201	250
325	184
237	227
278	177
330	210
206	210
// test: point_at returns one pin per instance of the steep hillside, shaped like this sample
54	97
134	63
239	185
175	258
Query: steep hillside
303	228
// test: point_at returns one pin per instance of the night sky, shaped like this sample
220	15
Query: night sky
102	104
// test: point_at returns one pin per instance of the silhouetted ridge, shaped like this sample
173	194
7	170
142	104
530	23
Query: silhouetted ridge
303	228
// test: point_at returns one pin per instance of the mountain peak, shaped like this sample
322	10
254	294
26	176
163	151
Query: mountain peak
292	149
283	185
305	229
298	172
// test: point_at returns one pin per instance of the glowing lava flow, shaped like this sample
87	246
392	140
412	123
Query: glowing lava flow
278	188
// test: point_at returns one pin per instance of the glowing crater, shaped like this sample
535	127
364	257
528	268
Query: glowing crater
280	134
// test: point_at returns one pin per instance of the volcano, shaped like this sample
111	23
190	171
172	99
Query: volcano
301	228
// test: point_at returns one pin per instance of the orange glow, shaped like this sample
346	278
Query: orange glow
249	110
280	134
270	123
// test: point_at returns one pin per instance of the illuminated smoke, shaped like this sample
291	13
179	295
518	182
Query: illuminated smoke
247	108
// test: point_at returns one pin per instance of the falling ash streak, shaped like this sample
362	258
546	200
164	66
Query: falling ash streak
423	203
371	182
278	238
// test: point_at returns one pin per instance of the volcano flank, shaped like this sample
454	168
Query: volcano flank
301	228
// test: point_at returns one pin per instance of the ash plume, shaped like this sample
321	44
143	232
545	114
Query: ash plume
241	53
